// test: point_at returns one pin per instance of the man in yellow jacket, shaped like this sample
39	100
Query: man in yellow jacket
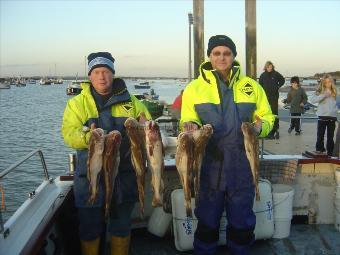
223	97
106	102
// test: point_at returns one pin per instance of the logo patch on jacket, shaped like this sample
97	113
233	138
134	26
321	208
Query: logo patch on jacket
127	107
247	89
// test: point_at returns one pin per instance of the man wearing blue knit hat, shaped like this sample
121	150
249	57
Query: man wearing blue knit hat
106	103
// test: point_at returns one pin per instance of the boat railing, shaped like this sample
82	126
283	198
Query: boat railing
22	160
15	165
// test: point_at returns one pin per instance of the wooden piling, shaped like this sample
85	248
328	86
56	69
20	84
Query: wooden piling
251	58
198	7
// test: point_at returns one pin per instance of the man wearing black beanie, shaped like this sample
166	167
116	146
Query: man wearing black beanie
224	98
103	106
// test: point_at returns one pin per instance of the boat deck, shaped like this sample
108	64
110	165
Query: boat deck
303	239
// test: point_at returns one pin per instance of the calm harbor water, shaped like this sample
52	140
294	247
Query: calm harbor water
31	119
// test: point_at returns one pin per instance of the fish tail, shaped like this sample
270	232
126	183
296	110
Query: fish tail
196	182
107	212
257	193
91	199
189	211
156	201
141	192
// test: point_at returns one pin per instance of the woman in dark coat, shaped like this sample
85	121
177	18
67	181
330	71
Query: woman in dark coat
271	81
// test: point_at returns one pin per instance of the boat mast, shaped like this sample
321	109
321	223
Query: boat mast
250	9
198	6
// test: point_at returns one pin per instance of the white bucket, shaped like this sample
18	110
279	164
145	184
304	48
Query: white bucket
283	209
337	176
159	222
263	209
184	227
282	228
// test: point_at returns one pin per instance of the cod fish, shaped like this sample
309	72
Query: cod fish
184	165
251	145
200	138
136	134
155	159
95	161
111	161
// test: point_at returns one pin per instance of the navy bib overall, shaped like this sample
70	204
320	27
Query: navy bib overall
226	179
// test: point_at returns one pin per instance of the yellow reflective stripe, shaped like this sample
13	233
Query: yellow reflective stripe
200	92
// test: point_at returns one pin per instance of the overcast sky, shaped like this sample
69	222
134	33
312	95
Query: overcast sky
150	38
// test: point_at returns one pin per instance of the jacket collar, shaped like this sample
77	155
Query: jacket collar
207	72
119	89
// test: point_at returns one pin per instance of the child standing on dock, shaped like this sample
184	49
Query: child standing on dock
297	98
325	95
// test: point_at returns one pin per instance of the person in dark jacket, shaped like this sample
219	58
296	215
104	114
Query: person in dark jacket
297	98
271	81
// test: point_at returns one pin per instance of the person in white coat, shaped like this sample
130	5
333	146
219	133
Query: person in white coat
325	95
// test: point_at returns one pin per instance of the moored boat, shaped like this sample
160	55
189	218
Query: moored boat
142	85
4	86
74	88
45	81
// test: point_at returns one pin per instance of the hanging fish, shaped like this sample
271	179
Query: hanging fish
111	160
155	159
200	139
251	145
184	165
95	160
136	134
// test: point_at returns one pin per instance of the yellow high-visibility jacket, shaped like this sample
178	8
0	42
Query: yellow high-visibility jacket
201	102
81	111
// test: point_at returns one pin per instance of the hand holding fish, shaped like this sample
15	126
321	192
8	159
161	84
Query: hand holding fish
257	125
189	126
142	118
189	155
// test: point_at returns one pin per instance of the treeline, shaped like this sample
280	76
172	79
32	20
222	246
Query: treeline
335	74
